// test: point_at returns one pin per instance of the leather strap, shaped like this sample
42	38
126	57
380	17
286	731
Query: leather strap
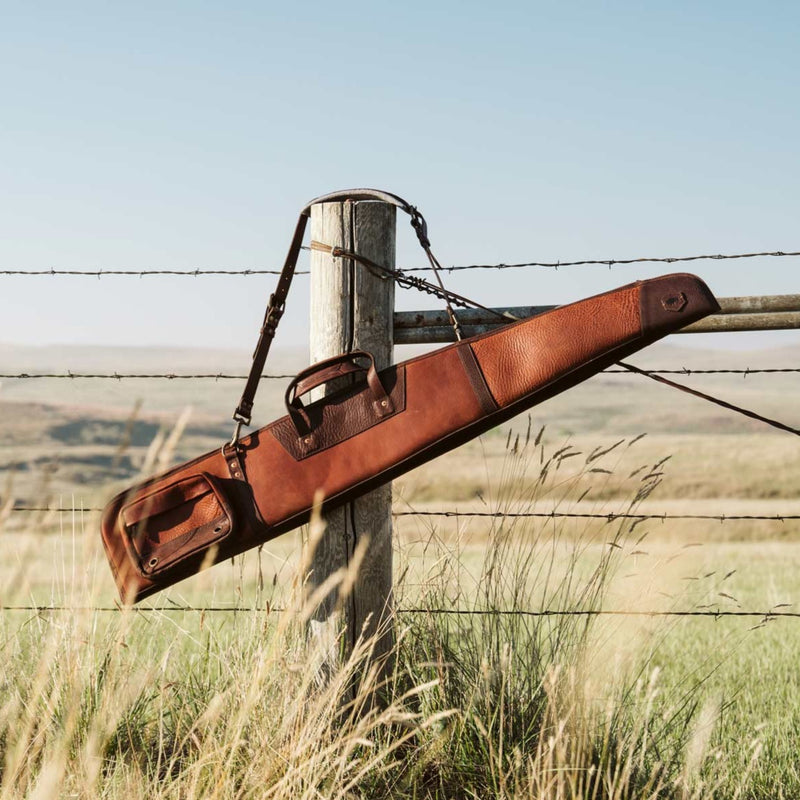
277	300
272	316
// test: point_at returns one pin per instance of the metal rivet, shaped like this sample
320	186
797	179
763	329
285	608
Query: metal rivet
153	562
384	403
307	440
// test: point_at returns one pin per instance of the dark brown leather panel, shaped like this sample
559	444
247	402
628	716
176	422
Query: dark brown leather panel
339	416
673	301
155	558
476	378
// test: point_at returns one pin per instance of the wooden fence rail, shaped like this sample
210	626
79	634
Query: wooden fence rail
749	313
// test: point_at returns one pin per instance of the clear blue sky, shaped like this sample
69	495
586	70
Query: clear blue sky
188	134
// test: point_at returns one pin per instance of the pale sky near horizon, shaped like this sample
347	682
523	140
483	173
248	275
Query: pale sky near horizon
185	135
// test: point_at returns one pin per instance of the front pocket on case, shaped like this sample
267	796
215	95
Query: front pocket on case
167	525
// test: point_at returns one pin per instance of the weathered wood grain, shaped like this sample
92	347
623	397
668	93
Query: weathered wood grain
352	309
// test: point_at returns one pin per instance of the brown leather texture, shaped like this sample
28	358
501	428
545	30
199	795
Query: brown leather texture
443	399
339	416
596	325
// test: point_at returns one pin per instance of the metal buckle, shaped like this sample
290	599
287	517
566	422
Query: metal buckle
273	317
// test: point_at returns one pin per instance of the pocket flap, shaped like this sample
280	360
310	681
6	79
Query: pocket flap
171	523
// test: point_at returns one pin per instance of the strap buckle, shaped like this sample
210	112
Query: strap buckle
273	315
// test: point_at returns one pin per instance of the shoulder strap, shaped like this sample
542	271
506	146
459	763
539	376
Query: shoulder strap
277	300
272	316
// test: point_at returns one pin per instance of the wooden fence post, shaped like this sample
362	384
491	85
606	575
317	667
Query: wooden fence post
353	309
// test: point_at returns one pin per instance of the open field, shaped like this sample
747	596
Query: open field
738	675
720	695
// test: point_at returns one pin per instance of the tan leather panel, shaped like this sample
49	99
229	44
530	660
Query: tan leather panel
520	358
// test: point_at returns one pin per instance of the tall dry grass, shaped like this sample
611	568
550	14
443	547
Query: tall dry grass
485	704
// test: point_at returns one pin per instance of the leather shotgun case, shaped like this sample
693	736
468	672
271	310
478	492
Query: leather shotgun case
385	423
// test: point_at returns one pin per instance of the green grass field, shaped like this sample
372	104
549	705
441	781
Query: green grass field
172	703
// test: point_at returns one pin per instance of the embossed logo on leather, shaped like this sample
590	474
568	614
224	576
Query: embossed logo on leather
674	302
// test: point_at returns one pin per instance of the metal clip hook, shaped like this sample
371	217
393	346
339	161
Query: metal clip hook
236	431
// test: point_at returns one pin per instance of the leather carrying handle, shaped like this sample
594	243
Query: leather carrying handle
328	370
277	301
317	378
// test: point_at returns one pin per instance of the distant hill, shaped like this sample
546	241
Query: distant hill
60	358
606	402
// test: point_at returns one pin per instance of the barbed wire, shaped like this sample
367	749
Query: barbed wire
596	613
610	262
716	614
140	273
219	376
197	272
608	517
118	376
688	371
